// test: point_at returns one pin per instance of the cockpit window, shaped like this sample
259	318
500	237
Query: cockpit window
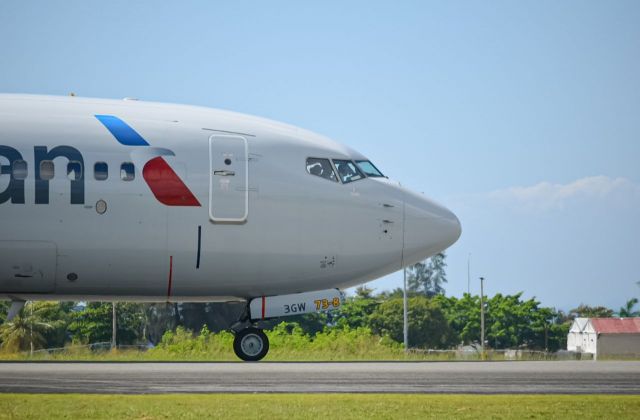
369	169
347	171
321	168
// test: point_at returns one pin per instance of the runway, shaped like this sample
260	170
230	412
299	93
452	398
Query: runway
567	377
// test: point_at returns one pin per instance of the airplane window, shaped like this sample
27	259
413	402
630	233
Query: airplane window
127	172
100	171
47	170
321	168
369	169
347	171
19	170
74	170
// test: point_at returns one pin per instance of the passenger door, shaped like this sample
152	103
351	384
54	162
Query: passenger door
229	179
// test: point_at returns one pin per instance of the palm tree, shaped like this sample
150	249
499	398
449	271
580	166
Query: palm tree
627	310
26	330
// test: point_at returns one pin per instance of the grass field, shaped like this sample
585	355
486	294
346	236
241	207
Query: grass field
316	406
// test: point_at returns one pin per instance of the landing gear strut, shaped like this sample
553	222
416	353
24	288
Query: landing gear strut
251	344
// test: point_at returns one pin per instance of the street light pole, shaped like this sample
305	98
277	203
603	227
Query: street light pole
482	315
405	314
31	330
113	326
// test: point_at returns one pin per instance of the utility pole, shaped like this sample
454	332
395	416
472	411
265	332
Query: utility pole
405	313
31	330
113	326
482	315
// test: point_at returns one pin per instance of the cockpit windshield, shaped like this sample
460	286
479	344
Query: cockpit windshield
347	171
322	168
369	169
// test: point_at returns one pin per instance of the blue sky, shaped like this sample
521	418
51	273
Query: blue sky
523	117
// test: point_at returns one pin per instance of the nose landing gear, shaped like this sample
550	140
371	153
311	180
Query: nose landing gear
251	344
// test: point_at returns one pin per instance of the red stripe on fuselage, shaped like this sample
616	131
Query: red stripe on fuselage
166	185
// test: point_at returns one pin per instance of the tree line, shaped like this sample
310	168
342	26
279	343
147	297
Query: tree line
436	321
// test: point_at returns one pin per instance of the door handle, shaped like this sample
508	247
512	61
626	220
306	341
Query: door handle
224	173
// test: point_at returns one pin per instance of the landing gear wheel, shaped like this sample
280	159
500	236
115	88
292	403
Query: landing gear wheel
251	344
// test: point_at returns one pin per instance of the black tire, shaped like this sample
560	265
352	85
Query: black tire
251	344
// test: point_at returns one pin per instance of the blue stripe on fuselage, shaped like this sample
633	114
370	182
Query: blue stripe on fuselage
121	131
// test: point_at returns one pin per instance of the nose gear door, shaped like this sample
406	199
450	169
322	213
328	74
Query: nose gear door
229	178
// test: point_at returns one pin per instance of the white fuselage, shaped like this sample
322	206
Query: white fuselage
221	206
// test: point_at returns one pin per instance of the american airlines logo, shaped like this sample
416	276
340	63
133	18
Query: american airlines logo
164	183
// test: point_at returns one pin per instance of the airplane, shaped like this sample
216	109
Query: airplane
127	200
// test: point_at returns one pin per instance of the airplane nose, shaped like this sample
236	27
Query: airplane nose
429	228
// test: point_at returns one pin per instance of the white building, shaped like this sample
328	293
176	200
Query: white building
605	336
577	339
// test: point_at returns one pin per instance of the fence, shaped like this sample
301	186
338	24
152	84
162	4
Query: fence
473	353
93	347
85	351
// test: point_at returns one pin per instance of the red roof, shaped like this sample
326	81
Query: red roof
616	325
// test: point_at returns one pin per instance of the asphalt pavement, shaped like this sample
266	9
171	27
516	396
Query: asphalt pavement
558	377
